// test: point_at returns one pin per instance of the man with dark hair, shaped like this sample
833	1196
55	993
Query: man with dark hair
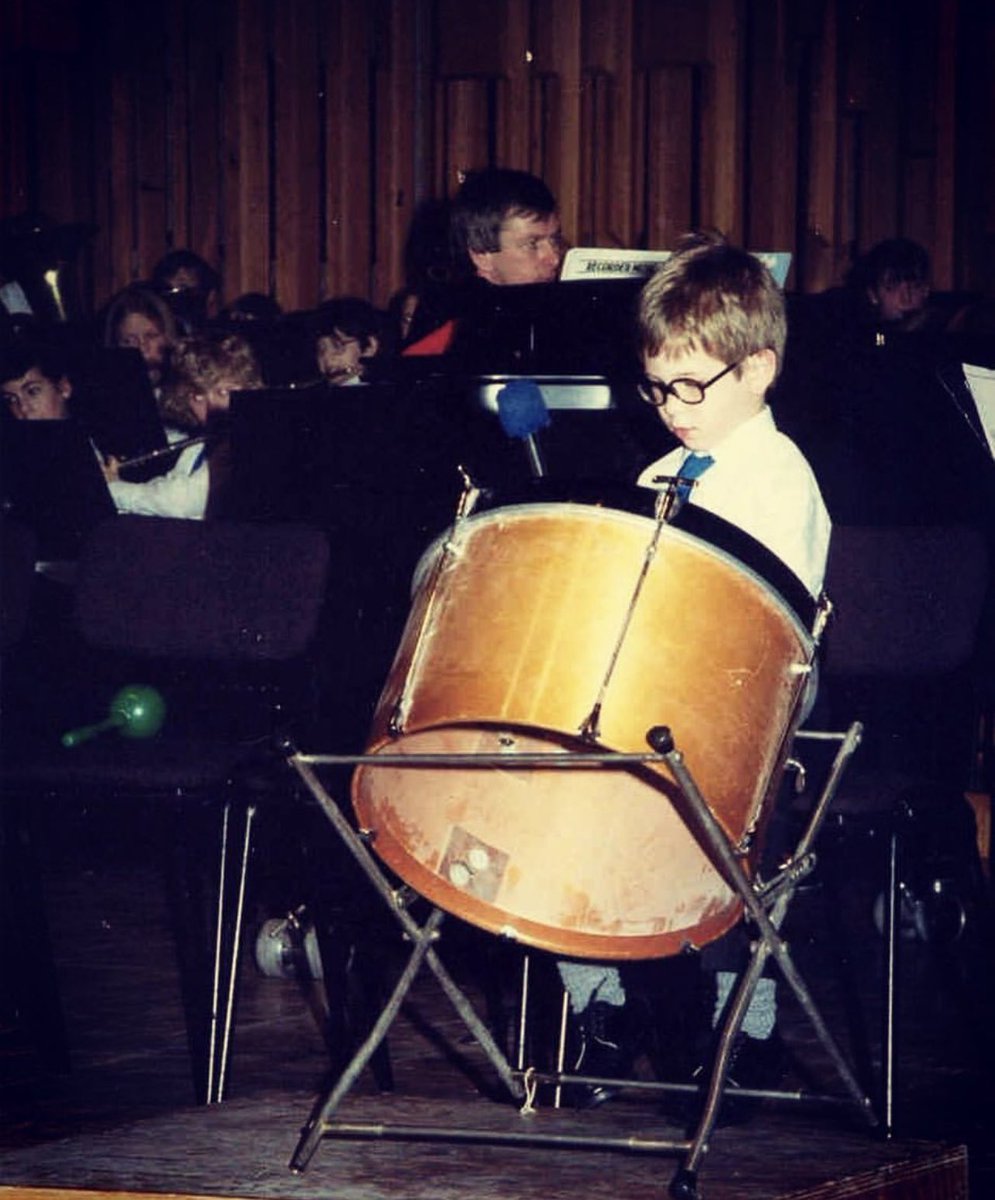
893	278
34	384
189	286
504	230
505	227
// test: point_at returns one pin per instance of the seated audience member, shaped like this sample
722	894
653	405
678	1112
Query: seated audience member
349	341
138	319
206	369
189	286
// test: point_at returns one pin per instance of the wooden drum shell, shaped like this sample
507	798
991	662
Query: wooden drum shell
515	623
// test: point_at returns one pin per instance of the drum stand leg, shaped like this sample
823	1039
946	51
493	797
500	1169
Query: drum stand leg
766	906
767	910
422	938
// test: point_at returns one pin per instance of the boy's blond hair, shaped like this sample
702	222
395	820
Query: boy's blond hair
712	296
198	364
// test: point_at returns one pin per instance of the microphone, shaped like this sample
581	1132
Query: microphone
522	412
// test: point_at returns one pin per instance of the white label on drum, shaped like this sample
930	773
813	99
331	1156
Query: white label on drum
472	865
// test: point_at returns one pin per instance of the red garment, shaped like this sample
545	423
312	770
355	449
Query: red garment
436	342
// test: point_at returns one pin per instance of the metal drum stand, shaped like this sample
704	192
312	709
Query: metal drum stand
765	906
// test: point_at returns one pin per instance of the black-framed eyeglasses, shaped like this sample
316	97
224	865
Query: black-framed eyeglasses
688	391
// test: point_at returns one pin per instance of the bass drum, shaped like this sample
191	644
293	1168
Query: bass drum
533	626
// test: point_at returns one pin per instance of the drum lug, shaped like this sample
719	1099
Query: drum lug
801	776
395	723
590	730
403	896
823	612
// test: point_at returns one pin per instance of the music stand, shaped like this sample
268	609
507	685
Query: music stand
465	872
53	483
114	401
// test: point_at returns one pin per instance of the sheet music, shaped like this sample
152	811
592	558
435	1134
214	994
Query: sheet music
594	262
981	384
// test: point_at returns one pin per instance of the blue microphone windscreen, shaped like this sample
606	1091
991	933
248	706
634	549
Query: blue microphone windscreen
521	409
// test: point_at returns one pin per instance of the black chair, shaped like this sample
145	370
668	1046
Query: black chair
31	991
903	654
220	618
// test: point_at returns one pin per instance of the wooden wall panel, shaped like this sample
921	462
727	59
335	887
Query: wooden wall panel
671	133
246	241
975	179
941	235
119	214
14	132
346	37
183	78
148	130
291	144
723	118
196	145
557	42
817	268
394	199
464	120
880	164
594	216
54	97
771	165
518	58
608	213
296	176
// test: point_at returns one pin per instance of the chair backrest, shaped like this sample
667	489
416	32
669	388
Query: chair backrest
206	590
18	551
907	600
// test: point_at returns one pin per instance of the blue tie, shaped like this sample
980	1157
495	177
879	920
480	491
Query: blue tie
694	466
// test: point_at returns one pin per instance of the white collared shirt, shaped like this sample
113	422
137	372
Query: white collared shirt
761	482
181	492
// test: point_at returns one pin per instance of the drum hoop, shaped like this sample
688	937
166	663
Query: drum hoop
452	535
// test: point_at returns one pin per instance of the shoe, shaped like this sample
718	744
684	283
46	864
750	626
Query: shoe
754	1065
604	1051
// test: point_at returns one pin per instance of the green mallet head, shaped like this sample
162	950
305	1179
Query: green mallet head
136	711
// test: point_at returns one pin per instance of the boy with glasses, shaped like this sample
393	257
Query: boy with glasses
712	330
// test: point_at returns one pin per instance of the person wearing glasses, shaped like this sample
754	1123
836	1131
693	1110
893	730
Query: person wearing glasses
712	329
348	341
504	230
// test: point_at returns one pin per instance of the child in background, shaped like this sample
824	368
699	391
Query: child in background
206	369
712	330
348	341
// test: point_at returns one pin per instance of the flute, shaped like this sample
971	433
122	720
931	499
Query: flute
153	455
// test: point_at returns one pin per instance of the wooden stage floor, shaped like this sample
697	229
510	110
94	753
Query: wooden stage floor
123	1119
